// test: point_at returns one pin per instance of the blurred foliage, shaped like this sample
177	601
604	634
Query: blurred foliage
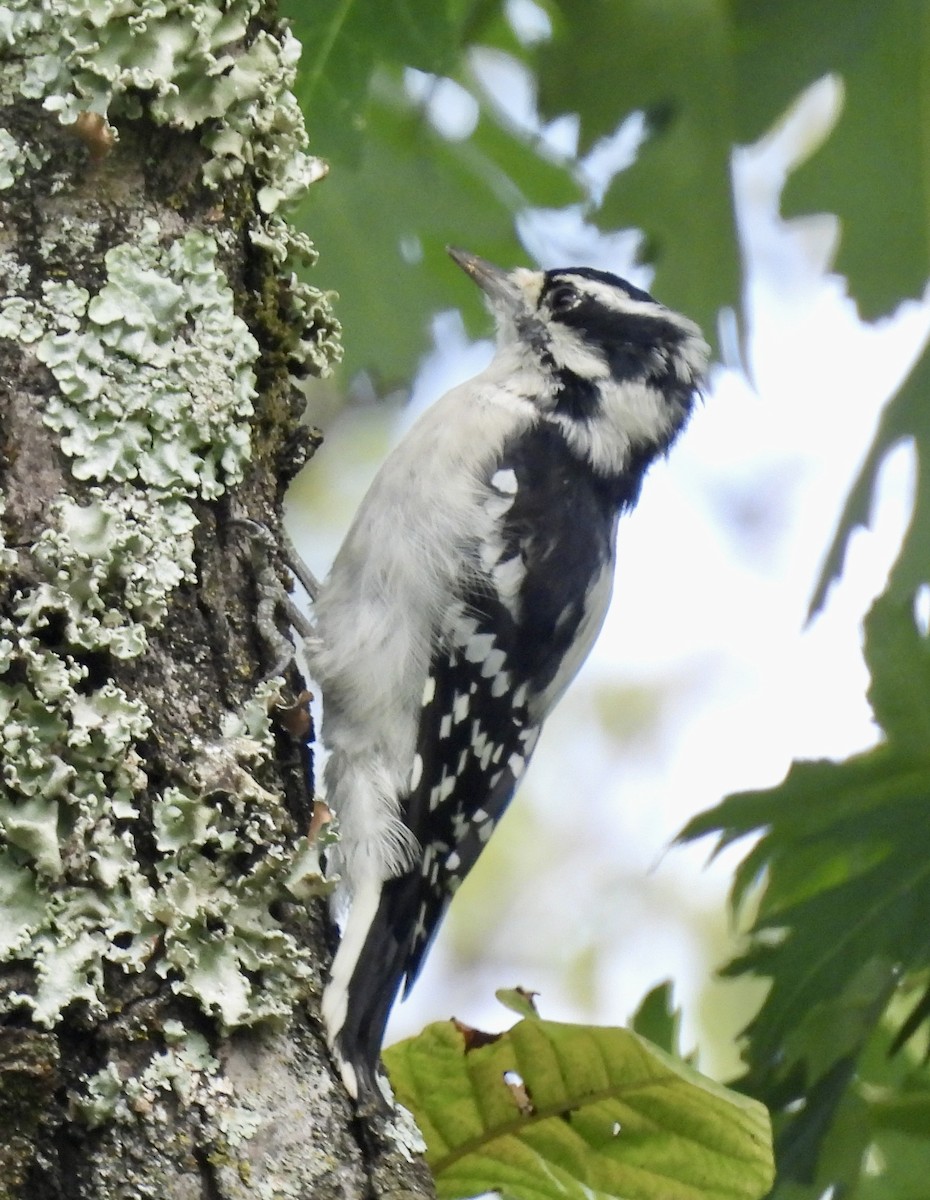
658	1021
840	870
399	191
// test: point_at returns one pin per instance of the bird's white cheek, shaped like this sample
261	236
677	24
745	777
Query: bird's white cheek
577	356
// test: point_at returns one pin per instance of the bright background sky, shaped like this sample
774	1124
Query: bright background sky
706	679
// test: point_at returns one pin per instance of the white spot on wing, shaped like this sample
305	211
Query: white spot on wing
505	481
479	647
429	691
501	684
493	663
416	773
463	630
442	791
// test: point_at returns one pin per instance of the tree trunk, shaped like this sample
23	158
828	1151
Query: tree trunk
162	936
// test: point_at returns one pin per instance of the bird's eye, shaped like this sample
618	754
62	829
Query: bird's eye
562	298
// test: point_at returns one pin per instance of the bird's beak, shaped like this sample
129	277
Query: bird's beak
498	285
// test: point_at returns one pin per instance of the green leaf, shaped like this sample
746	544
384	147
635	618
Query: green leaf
841	922
874	163
820	812
847	884
518	1000
907	415
874	169
870	1140
668	59
552	1110
343	41
657	1021
907	1113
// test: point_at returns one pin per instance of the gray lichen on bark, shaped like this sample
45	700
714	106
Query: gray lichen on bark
158	978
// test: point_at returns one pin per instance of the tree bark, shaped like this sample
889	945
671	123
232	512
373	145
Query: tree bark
162	935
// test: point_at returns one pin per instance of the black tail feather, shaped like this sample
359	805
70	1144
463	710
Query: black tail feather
375	982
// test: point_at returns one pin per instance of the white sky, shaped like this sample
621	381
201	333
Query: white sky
706	633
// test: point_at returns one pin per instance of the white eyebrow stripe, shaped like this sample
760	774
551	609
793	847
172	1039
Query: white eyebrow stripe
617	300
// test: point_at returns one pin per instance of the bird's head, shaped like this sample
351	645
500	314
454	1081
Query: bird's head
615	369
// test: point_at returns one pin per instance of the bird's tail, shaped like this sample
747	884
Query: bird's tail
366	974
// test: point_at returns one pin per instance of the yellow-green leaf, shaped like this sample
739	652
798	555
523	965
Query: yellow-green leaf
551	1110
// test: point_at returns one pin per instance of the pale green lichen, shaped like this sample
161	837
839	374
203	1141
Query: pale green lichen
186	1069
70	236
15	273
264	130
305	308
282	241
308	309
155	371
110	567
72	897
19	321
222	857
155	386
102	1098
187	65
12	159
71	894
221	944
405	1134
191	64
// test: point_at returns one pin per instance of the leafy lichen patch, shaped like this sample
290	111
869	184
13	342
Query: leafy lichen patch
155	385
155	371
188	64
72	897
114	858
221	944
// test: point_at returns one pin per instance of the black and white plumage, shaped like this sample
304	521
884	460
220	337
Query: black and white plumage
469	590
